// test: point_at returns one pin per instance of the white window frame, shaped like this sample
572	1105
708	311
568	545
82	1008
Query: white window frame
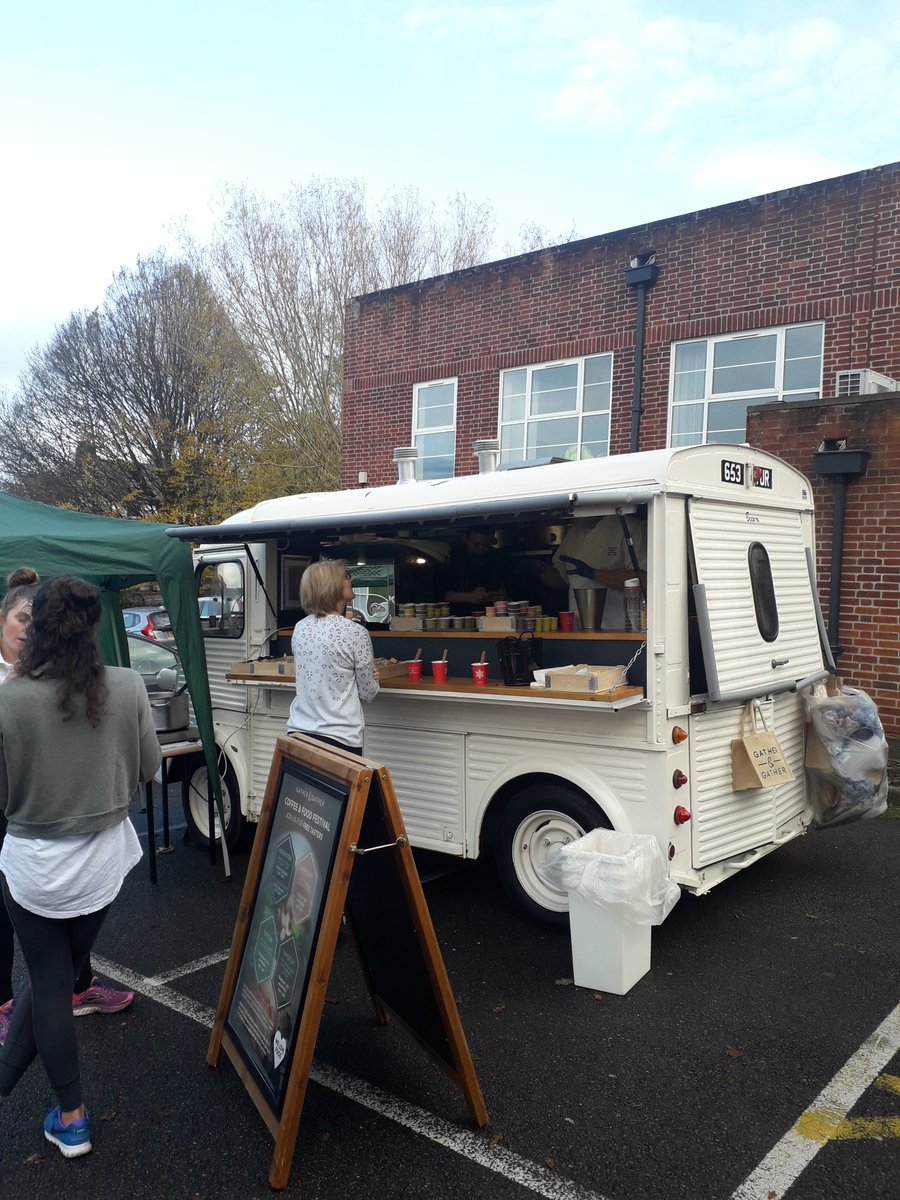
419	433
577	412
766	395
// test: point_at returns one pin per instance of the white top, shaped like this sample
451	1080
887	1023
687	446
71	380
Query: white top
601	544
333	664
6	669
69	876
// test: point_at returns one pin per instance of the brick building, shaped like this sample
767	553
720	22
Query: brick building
667	334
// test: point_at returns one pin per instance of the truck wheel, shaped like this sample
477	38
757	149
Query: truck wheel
193	798
536	820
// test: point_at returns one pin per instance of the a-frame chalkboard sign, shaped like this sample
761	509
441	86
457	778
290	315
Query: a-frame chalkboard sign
330	840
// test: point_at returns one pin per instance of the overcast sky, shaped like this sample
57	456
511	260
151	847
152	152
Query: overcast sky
120	118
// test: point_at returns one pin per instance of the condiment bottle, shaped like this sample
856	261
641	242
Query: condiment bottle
633	605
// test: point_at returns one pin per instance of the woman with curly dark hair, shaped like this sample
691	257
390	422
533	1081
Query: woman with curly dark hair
76	739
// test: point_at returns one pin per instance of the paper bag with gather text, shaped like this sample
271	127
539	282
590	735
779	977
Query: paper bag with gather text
756	757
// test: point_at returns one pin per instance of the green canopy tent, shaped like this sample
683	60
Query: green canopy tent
114	554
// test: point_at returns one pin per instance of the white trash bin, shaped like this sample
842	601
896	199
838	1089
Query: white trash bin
609	953
618	885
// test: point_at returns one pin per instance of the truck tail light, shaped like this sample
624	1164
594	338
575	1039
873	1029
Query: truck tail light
679	735
679	779
682	816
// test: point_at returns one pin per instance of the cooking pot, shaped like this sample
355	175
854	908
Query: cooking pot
170	710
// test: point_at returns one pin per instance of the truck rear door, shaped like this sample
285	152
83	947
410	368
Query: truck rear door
759	622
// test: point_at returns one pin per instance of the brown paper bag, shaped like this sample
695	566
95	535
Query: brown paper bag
756	757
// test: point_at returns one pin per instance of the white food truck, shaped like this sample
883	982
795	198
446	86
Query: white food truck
732	616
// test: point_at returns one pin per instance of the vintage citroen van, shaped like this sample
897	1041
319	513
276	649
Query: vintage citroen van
732	615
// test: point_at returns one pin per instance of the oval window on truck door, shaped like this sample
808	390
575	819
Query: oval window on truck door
763	591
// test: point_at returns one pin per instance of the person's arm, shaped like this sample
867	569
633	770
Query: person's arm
4	782
477	595
150	750
364	668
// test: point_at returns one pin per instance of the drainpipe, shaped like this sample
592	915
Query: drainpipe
841	465
640	275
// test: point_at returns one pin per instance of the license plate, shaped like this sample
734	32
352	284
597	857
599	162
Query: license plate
732	472
762	477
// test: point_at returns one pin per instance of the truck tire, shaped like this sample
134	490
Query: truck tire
193	799
541	816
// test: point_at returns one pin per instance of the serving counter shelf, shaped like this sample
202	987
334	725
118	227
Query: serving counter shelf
464	689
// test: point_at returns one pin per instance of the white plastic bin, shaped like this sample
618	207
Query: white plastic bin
618	885
609	953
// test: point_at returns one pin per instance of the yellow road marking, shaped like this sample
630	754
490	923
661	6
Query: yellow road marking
826	1125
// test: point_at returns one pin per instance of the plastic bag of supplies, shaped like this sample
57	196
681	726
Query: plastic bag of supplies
625	873
846	754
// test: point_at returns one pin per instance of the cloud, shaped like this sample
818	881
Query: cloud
767	166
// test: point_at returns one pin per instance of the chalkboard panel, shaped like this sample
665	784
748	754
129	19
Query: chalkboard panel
317	833
264	1014
388	931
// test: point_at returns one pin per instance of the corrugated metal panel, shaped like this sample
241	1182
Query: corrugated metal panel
722	535
623	769
220	654
263	733
791	798
724	822
428	772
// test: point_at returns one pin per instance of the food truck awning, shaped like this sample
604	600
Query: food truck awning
582	488
253	531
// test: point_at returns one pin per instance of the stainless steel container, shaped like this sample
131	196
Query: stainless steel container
170	710
590	602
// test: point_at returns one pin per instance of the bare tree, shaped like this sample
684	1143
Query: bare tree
136	407
284	271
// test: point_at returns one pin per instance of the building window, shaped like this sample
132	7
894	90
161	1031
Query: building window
715	380
556	410
434	428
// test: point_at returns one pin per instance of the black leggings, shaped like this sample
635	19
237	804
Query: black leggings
320	737
8	947
42	1022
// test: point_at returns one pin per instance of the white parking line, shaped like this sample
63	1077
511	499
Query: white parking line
199	964
813	1129
474	1147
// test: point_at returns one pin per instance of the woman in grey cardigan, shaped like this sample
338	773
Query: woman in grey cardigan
76	739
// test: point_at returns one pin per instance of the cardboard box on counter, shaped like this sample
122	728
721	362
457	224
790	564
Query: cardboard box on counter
390	668
498	624
580	677
266	667
405	624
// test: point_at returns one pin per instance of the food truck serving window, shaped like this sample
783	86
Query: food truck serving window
220	598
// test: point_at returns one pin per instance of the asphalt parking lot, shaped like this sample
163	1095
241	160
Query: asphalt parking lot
760	1057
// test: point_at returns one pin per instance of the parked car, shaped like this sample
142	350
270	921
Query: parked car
149	657
150	622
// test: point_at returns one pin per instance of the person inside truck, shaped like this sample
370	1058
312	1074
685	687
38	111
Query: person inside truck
333	661
473	574
594	553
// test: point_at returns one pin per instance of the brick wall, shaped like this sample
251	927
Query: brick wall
827	251
869	627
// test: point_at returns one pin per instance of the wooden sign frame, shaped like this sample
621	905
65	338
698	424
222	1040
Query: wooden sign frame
330	839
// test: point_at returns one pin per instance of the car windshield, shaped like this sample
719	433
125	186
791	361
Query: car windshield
148	658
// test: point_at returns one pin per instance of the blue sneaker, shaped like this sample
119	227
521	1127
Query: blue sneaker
73	1139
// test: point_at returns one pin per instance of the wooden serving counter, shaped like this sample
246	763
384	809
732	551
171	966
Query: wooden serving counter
466	688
